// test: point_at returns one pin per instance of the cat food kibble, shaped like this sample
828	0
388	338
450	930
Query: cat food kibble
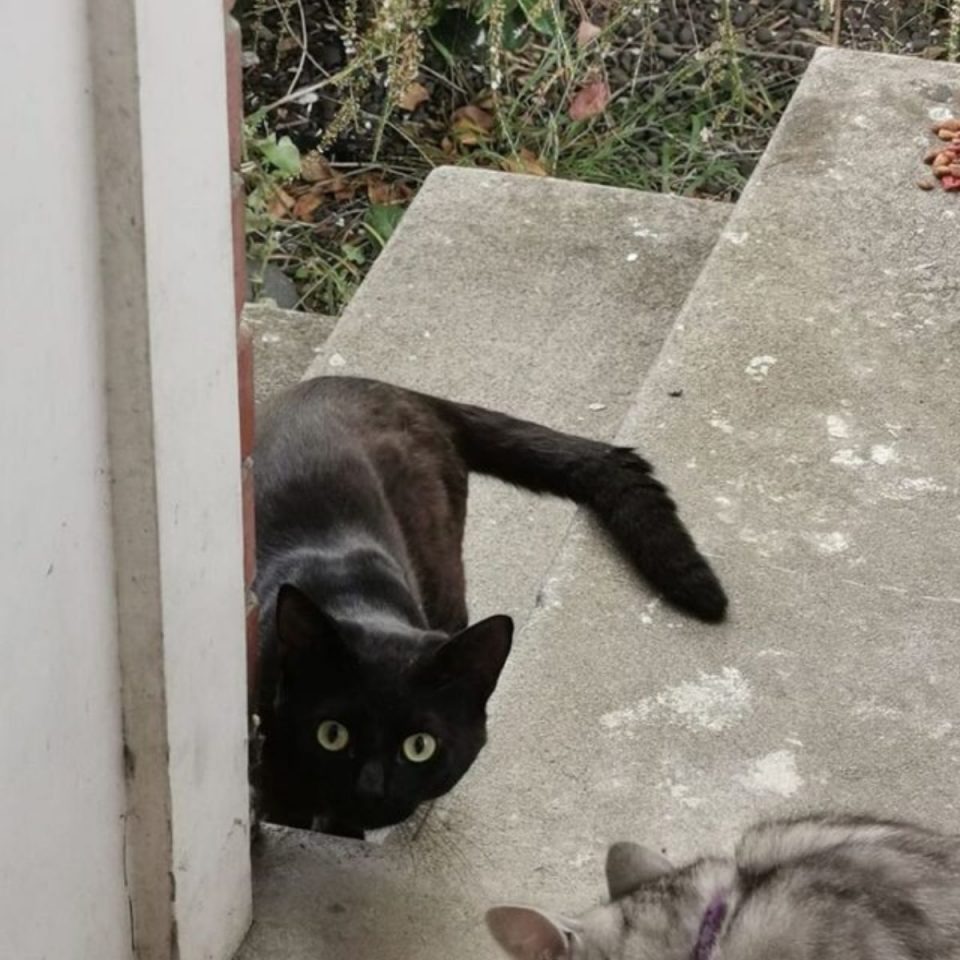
944	158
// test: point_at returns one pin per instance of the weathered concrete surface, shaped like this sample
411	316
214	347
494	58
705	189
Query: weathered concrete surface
285	343
546	299
815	452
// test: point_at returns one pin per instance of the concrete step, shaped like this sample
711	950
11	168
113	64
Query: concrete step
815	450
549	300
285	343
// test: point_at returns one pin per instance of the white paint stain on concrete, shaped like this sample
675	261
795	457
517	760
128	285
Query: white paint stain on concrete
847	458
336	360
550	594
719	423
626	718
829	544
768	543
727	512
646	615
923	485
632	257
837	427
909	488
713	702
759	367
774	773
883	454
681	793
941	730
737	237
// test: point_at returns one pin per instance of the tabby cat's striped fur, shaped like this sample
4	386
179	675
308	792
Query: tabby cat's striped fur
829	887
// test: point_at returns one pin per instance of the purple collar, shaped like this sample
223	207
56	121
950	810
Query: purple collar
710	925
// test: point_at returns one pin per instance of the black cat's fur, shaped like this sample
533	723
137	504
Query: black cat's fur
361	494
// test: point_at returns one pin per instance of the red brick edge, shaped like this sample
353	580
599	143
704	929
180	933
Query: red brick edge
234	49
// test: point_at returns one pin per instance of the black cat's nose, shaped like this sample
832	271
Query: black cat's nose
370	783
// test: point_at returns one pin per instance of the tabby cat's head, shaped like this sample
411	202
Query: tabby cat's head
608	932
371	718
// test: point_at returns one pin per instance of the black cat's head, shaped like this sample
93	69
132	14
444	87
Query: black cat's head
370	719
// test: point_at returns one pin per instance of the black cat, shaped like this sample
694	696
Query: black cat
373	688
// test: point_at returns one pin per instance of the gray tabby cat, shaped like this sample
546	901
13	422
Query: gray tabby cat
812	888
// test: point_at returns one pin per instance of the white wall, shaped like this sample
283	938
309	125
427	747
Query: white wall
121	582
193	348
62	801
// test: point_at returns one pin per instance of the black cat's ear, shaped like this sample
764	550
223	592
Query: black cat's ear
630	866
472	659
528	934
301	625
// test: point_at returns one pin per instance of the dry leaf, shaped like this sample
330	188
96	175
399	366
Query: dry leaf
306	204
385	194
413	96
590	101
472	124
281	203
475	115
344	188
587	32
314	168
526	161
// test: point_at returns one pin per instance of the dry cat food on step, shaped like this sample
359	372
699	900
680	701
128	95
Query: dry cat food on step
944	158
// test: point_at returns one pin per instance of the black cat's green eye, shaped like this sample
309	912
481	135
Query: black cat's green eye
332	736
419	748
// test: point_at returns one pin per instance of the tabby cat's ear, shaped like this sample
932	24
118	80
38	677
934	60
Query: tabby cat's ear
630	866
528	934
301	625
472	659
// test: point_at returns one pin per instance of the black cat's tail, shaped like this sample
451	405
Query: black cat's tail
614	483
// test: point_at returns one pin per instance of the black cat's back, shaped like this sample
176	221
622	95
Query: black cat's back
339	454
415	451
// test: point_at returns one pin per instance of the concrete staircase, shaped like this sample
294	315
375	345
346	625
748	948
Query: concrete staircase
805	410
